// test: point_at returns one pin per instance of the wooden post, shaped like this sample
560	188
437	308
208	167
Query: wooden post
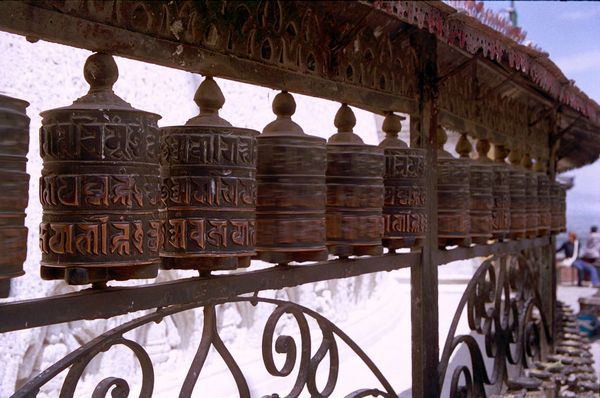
424	279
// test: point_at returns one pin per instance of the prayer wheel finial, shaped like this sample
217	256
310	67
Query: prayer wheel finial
526	161
483	148
101	72
284	107
209	99
500	153
345	121
392	125
463	146
540	165
514	157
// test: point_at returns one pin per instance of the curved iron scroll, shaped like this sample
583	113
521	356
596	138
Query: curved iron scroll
503	306
308	366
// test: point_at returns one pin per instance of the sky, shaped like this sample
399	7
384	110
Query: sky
570	33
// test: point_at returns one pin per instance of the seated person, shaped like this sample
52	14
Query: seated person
571	250
589	255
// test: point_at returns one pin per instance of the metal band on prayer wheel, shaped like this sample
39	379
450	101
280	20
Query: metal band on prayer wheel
516	180
208	173
14	182
480	188
531	191
453	197
354	191
543	186
405	217
291	190
100	185
501	194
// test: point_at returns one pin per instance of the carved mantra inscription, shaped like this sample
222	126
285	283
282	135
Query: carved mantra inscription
481	201
518	203
100	237
99	190
354	199
209	172
290	210
453	201
544	215
501	208
218	235
531	203
405	219
14	182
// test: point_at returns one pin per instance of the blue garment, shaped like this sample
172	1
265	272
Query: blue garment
582	268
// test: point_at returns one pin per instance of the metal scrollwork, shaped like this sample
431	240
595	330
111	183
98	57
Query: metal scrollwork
297	351
503	306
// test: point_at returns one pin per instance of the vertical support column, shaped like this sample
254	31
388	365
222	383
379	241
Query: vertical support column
553	143
424	279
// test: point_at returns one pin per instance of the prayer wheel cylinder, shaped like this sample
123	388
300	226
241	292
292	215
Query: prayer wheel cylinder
14	182
531	191
291	190
100	185
481	200
405	216
518	199
354	191
208	198
543	186
558	207
453	197
501	194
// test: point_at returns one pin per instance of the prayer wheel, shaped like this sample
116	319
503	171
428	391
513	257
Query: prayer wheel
208	190
404	213
14	182
543	190
453	197
291	190
354	191
501	194
516	181
100	185
558	207
481	200
531	192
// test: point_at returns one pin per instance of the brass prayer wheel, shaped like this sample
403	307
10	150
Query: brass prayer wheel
208	190
531	191
453	197
558	207
100	185
14	182
543	186
354	191
404	214
501	194
481	200
291	190
518	199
